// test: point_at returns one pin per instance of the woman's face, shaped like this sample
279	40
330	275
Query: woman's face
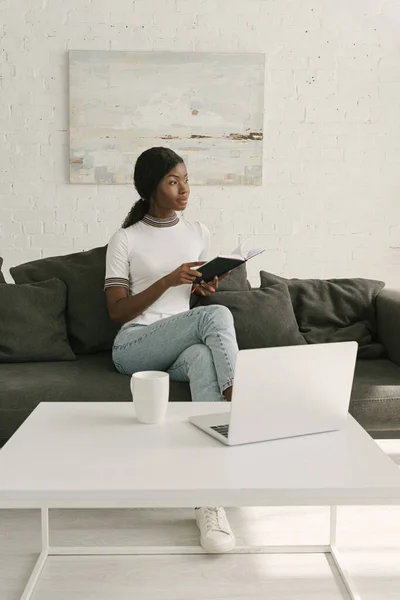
172	193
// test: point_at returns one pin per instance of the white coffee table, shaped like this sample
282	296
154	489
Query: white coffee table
96	455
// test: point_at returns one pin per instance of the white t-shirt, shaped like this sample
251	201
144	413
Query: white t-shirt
141	254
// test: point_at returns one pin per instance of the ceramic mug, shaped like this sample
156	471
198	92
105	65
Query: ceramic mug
150	393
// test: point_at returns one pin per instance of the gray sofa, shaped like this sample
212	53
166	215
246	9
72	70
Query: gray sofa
375	400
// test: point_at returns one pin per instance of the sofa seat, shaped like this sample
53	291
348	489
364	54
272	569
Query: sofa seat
375	399
91	378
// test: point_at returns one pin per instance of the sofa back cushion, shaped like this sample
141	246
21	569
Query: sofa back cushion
335	310
89	326
32	322
263	318
236	281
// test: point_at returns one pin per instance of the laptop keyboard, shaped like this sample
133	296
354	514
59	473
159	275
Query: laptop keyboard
222	429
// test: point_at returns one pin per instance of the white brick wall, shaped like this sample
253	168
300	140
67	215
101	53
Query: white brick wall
330	203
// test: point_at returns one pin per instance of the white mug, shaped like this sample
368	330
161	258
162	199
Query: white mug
150	393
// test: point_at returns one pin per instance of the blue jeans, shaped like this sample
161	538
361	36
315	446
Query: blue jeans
198	346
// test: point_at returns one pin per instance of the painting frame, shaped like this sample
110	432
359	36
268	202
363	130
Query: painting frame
208	107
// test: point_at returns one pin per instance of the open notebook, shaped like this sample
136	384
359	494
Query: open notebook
226	262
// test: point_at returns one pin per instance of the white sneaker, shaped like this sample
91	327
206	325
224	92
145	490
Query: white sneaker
216	534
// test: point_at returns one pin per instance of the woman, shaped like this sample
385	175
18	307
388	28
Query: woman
150	268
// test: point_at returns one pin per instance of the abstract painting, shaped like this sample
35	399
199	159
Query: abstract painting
207	107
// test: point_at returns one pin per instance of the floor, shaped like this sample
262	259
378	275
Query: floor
368	537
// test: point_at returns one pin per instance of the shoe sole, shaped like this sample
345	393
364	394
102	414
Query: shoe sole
214	549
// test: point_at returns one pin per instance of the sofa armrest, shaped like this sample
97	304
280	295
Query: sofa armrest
388	317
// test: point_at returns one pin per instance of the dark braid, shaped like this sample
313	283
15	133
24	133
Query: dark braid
137	212
151	166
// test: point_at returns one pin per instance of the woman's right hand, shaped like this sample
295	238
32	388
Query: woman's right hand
184	274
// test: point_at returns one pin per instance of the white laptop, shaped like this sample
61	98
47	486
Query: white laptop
285	392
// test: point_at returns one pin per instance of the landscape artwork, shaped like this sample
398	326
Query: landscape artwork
207	107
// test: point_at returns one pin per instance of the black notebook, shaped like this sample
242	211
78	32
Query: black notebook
223	263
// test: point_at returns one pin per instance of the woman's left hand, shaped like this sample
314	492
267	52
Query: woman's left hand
208	289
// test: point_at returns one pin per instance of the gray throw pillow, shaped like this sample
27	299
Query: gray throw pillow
263	318
335	310
236	281
89	326
2	280
32	322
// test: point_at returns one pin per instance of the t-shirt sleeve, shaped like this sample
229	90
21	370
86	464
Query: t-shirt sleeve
117	262
206	242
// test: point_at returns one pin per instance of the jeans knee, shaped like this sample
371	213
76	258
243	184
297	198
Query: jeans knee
221	315
198	353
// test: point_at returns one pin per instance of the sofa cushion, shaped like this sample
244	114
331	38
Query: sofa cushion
32	322
89	326
263	317
91	378
2	280
375	398
236	280
335	310
388	318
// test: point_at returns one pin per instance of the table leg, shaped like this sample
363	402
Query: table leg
337	558
331	549
38	568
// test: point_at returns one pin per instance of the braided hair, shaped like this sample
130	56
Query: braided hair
151	166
